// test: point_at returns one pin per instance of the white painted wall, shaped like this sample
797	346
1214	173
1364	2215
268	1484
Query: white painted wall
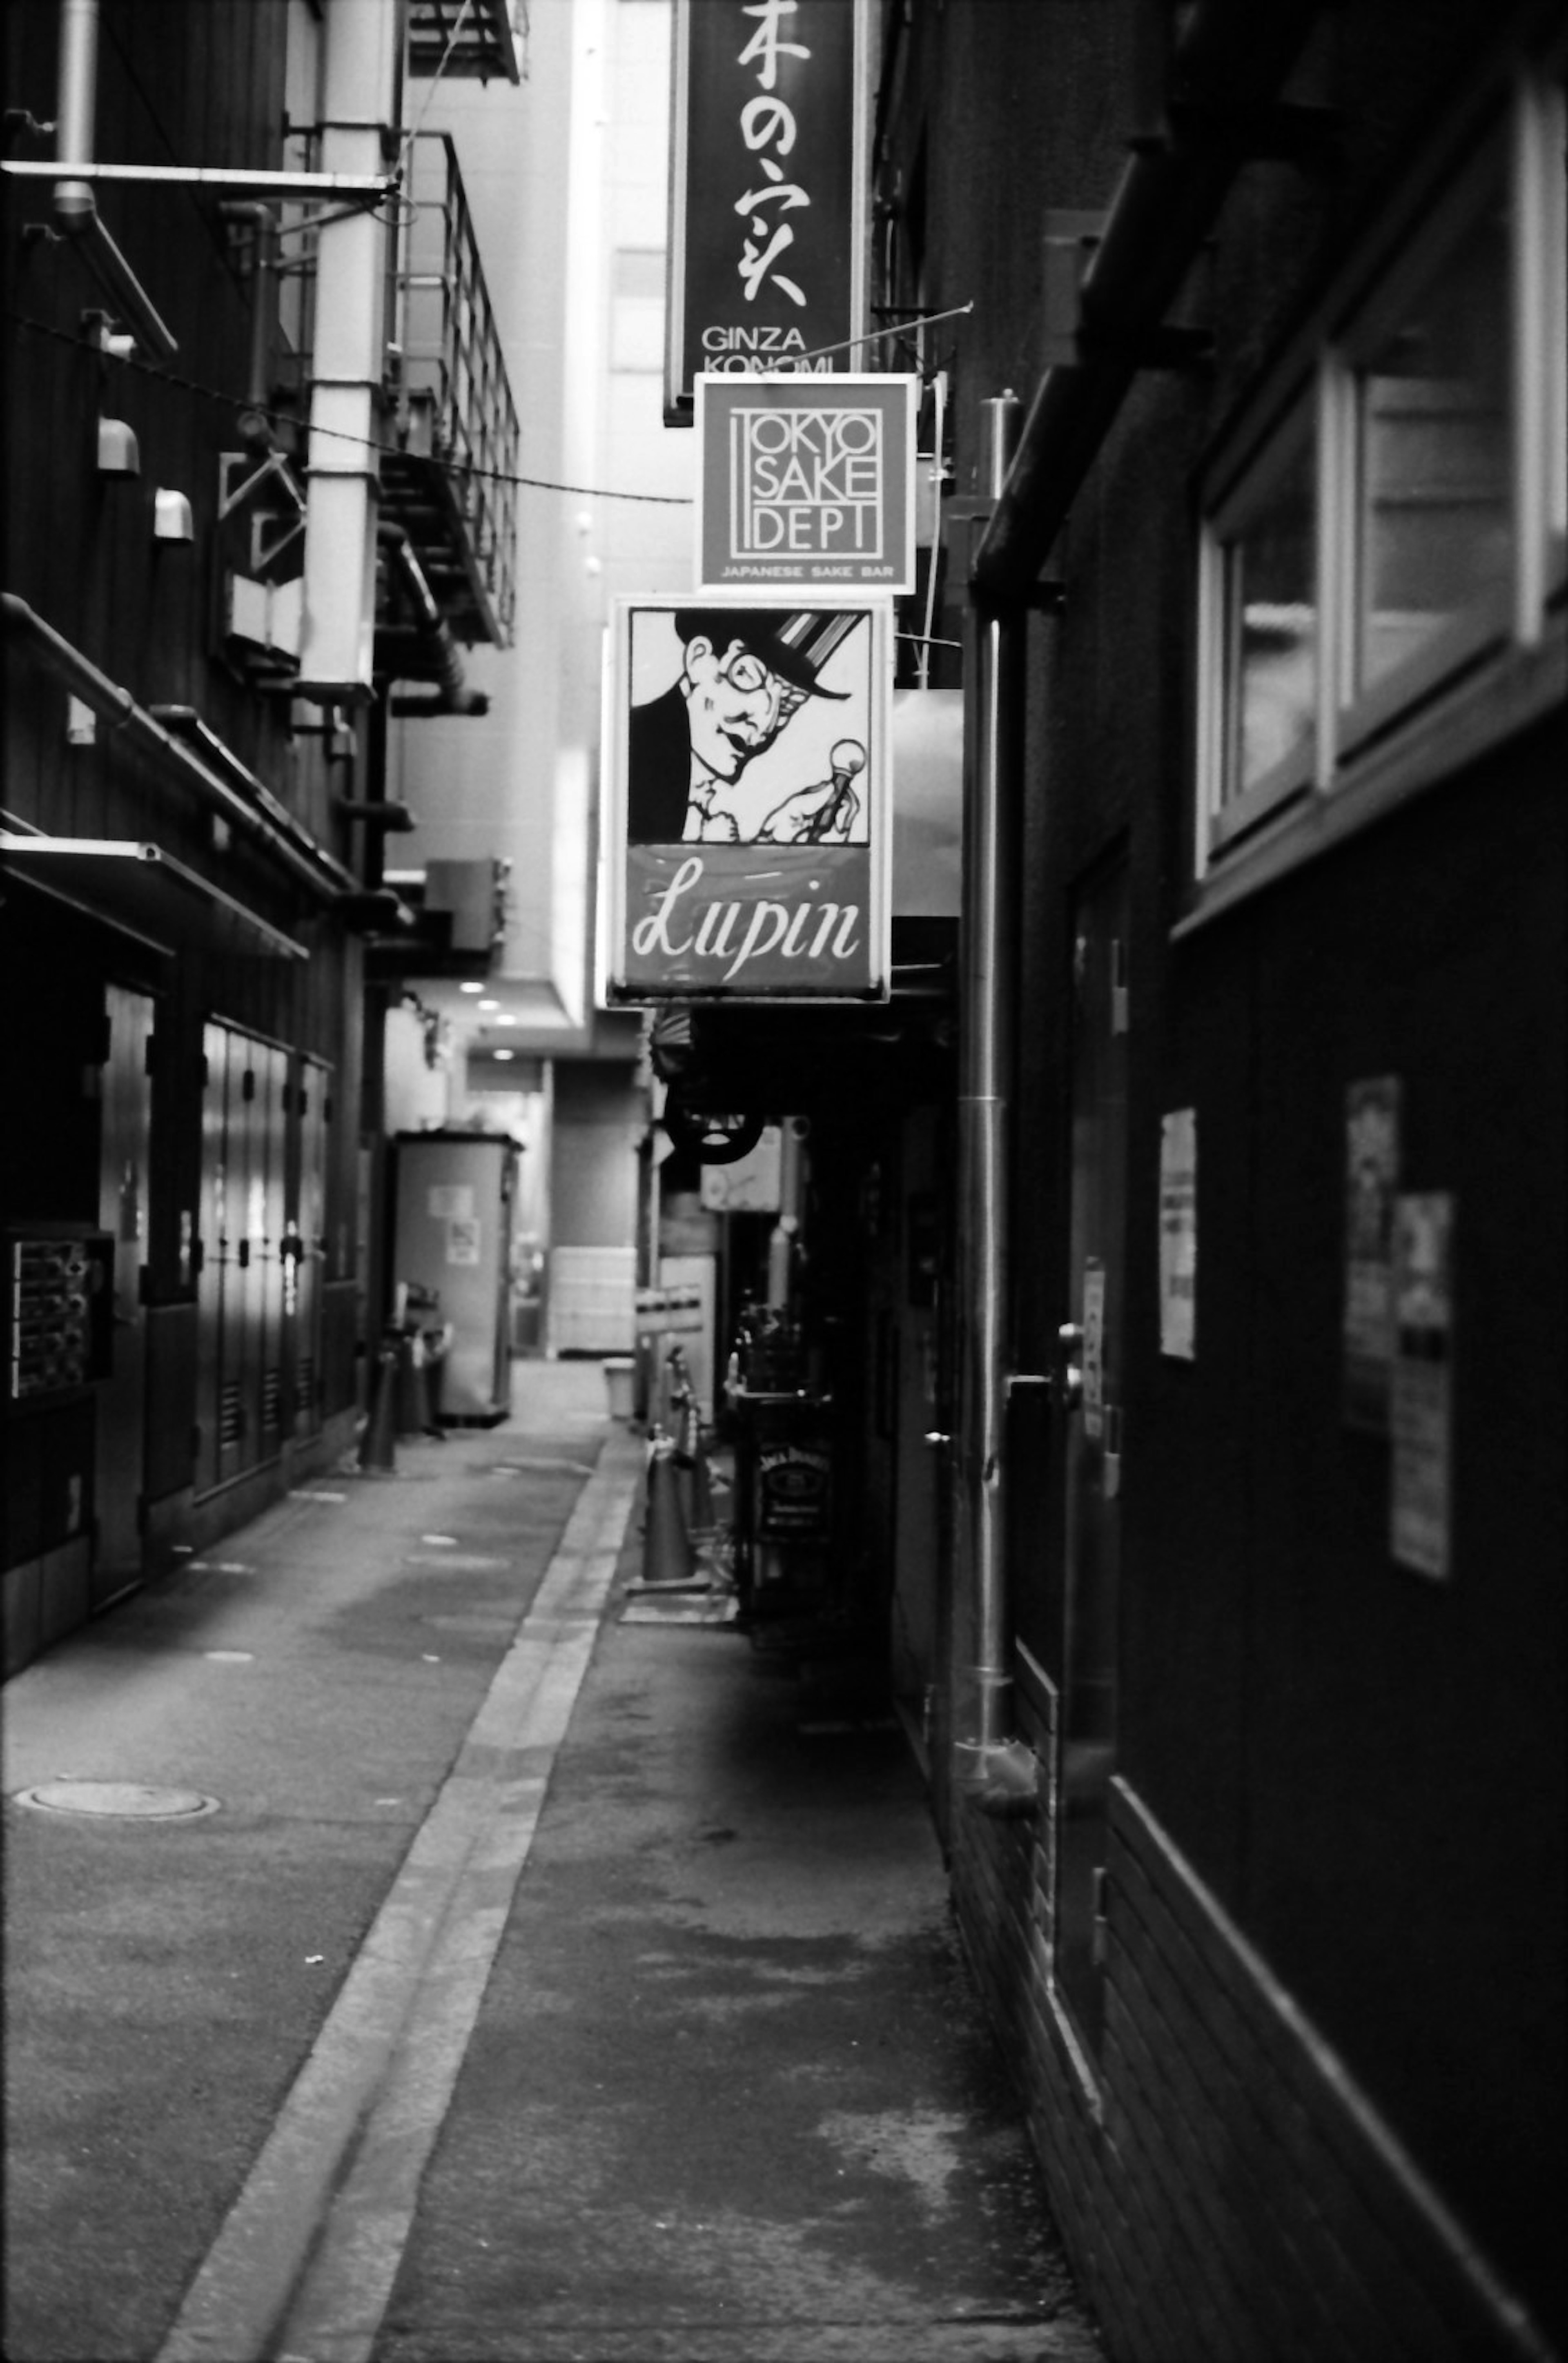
562	174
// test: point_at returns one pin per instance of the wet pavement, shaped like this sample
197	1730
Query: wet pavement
539	1990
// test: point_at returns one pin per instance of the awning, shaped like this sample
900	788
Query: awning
142	889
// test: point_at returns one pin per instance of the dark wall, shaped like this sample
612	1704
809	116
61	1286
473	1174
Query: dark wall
1361	1764
179	81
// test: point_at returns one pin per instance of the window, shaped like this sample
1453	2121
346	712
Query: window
1261	591
1392	536
1433	529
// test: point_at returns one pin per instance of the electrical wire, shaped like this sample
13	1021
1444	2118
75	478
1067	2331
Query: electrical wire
419	124
453	468
875	336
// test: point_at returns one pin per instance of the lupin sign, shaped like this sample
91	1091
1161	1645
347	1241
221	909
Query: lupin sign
748	837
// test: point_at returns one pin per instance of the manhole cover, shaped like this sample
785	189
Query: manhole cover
125	1800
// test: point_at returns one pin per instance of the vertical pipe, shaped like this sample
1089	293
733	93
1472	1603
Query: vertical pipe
786	1230
77	107
990	993
75	207
361	98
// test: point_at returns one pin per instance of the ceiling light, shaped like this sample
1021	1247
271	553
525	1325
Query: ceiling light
505	1018
490	1004
503	1054
470	987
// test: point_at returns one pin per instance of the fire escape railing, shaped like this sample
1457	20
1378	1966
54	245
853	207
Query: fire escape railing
449	445
448	484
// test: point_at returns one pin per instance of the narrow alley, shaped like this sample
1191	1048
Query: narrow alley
454	1969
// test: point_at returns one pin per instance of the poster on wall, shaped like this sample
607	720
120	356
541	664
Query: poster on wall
1178	1234
1421	1404
1372	1177
747	842
768	171
807	480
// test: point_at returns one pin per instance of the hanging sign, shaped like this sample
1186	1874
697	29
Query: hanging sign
805	480
767	175
748	831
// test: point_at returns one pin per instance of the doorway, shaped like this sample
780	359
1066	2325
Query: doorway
120	1400
1090	1393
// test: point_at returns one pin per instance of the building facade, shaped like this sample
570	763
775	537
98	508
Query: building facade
256	482
1186	1239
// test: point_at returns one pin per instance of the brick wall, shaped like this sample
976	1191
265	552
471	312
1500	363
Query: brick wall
1225	2189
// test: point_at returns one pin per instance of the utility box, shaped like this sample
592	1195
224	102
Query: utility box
454	1196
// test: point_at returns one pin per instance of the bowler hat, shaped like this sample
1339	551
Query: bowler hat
794	643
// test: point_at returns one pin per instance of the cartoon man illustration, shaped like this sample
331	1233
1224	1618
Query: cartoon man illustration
745	673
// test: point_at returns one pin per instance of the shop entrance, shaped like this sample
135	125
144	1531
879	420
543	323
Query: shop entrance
239	1302
120	1400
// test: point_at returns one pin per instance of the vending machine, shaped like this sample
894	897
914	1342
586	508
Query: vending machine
452	1231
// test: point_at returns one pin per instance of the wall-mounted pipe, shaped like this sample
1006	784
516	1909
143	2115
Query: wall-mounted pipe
996	1769
253	427
75	207
359	96
1229	65
454	694
307	862
784	1237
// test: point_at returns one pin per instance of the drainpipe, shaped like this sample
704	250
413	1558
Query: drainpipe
785	1232
253	427
454	696
360	98
75	207
997	1772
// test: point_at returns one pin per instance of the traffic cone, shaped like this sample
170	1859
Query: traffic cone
378	1447
702	1520
667	1554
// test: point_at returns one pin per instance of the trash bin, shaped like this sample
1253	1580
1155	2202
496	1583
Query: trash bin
619	1370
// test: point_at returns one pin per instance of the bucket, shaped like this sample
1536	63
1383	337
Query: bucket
619	1372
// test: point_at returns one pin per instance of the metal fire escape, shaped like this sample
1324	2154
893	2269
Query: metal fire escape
475	37
448	482
447	440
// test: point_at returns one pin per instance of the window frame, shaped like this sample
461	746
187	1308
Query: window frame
1495	663
1234	815
1362	711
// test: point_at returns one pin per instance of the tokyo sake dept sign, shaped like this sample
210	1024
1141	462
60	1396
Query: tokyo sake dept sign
807	480
767	175
748	840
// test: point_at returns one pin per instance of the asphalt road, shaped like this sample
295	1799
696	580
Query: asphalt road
539	1990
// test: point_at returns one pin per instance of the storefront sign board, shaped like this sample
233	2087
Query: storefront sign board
807	480
748	838
768	175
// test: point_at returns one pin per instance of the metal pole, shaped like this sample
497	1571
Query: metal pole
990	941
75	207
75	110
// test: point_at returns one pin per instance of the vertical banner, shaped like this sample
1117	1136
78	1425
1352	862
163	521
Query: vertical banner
747	835
767	177
807	480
